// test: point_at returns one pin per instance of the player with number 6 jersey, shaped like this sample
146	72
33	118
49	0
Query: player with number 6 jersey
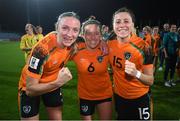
94	84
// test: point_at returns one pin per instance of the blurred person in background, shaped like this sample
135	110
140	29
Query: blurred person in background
156	38
39	33
28	40
161	53
170	48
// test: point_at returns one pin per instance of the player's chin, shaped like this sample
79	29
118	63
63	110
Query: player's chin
124	36
68	43
93	46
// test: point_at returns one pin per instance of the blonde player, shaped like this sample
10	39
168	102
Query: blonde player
28	40
43	76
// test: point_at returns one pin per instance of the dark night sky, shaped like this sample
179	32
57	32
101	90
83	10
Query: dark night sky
14	13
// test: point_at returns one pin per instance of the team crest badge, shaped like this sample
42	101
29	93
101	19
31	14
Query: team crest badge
100	58
26	109
84	108
127	55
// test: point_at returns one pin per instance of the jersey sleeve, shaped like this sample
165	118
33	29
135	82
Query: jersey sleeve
37	60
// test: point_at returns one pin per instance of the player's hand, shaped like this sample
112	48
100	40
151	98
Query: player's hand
64	76
130	68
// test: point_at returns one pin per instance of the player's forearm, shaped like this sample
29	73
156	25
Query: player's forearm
34	88
40	88
146	79
146	76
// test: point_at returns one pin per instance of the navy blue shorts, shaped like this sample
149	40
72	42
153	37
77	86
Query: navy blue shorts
87	107
29	106
133	109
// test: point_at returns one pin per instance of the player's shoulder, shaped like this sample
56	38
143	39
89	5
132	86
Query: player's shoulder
40	51
24	36
50	36
137	41
49	39
112	42
44	46
136	38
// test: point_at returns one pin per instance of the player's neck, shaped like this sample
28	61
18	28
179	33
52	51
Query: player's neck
124	40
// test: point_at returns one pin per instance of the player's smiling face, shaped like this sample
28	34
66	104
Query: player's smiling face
123	25
68	30
92	35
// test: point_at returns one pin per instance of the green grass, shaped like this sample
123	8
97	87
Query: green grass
166	100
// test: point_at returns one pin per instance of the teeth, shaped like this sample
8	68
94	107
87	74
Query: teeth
122	30
93	42
67	40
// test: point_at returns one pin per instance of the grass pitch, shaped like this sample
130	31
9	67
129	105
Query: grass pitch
166	100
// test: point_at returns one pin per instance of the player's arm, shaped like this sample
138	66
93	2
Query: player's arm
146	76
34	88
35	70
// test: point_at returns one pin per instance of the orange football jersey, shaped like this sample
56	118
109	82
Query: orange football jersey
127	86
93	77
45	61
